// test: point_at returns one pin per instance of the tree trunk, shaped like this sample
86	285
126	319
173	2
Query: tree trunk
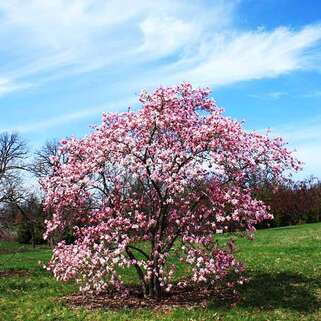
33	243
33	240
155	290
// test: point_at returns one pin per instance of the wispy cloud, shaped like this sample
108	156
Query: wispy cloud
238	56
174	41
54	121
45	124
312	94
7	86
275	95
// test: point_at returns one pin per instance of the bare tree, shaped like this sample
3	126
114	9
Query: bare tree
13	155
42	165
13	160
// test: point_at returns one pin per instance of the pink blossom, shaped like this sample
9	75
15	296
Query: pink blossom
165	174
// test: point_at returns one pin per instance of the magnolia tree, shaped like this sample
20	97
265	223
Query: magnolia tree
166	178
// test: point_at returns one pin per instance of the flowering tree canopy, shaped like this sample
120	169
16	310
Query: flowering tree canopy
168	176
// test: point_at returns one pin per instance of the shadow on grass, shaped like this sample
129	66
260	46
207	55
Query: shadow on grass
282	290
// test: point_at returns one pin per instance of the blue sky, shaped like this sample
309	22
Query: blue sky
63	62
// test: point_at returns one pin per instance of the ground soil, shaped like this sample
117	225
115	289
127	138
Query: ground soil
179	297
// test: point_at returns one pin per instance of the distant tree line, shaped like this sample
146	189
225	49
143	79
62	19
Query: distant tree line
292	203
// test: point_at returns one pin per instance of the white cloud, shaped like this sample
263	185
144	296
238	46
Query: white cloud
165	35
57	121
7	86
238	56
275	95
68	118
95	33
53	38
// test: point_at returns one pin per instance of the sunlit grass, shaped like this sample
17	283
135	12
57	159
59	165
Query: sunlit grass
284	268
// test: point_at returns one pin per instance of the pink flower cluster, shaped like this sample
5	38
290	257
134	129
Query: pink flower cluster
175	171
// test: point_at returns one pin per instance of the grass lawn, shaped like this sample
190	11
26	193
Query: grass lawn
283	264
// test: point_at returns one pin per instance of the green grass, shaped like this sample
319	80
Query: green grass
283	264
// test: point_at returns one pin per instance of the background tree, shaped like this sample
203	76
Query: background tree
13	161
292	202
13	154
43	161
174	172
29	216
